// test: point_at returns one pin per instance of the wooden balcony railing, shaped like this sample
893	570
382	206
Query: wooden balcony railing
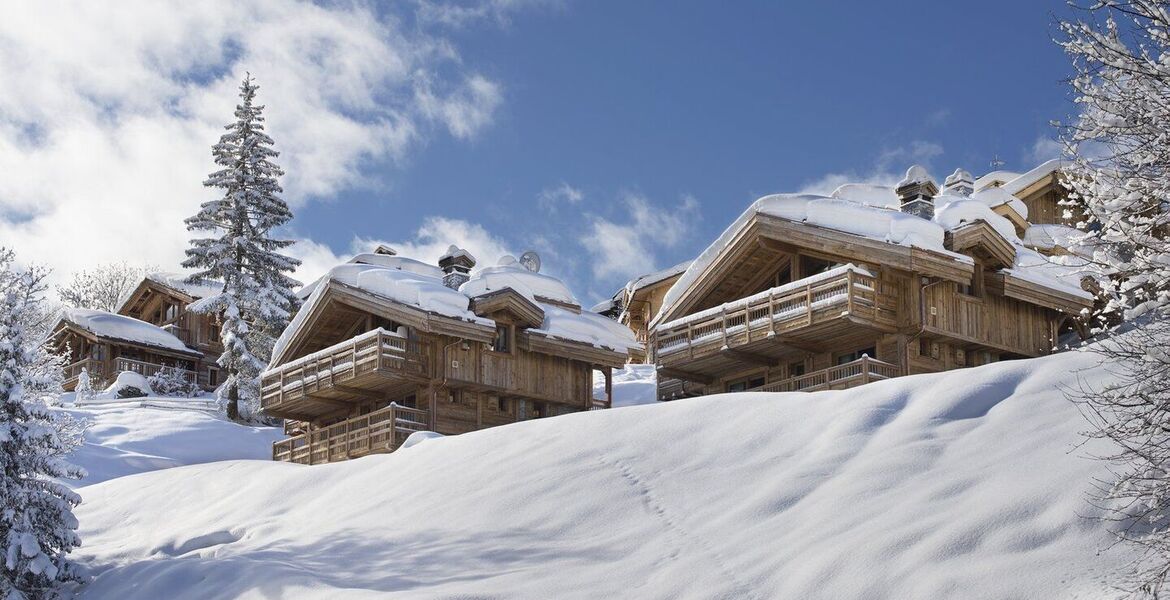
373	351
92	366
148	369
380	431
850	374
775	311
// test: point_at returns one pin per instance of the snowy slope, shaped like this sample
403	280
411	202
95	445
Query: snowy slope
966	484
146	434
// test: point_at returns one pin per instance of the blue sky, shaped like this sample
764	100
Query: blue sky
613	137
693	99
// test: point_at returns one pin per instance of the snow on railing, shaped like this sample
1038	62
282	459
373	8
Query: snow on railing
376	350
848	284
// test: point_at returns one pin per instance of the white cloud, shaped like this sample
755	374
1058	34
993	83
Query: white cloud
1044	149
427	244
888	168
550	198
110	110
460	14
627	249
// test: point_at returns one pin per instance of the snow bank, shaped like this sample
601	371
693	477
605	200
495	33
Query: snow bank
966	484
129	437
109	325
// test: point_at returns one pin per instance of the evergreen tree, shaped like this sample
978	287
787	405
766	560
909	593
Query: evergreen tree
37	526
257	298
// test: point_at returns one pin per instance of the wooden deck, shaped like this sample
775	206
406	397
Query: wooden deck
839	377
378	432
851	374
353	370
819	313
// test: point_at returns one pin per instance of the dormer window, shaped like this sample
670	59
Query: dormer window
504	335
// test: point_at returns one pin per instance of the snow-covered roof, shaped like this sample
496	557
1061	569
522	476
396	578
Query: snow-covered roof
994	177
1041	171
510	274
389	261
871	211
418	285
119	327
880	196
997	196
1050	236
178	281
649	279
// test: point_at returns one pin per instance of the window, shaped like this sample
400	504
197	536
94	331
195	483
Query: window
856	355
172	312
796	369
501	404
410	401
503	341
747	383
213	377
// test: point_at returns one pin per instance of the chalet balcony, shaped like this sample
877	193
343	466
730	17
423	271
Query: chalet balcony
380	431
851	374
97	370
365	367
149	369
844	376
833	309
92	366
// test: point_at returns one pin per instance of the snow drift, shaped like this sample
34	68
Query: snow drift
967	484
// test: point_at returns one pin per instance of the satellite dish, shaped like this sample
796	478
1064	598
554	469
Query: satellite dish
531	261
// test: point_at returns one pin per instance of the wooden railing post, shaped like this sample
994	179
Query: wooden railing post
864	368
849	290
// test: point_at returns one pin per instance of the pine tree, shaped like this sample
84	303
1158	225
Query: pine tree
257	297
1120	182
37	526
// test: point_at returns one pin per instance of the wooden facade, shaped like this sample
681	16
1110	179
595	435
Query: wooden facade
104	357
360	372
791	306
162	305
165	306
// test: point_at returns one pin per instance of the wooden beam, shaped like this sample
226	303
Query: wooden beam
685	375
329	401
749	357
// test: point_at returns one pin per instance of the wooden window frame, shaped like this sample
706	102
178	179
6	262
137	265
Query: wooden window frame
746	380
511	338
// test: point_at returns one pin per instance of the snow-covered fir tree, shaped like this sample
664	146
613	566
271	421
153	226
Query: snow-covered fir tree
258	296
37	526
1120	183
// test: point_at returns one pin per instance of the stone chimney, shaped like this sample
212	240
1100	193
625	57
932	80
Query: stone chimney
456	265
960	183
917	191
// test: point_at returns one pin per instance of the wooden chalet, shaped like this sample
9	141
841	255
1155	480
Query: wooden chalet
639	300
827	292
157	311
104	344
386	346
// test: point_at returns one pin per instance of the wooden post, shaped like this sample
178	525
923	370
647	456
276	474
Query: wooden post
849	290
723	312
609	387
864	368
